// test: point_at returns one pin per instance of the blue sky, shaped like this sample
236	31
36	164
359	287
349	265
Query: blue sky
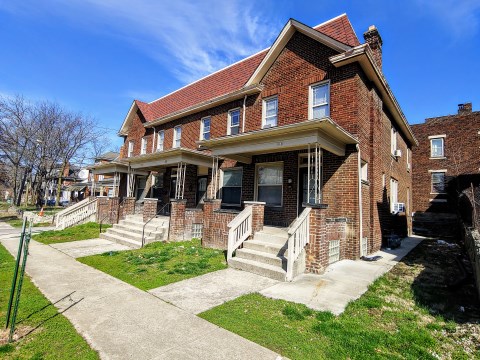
96	56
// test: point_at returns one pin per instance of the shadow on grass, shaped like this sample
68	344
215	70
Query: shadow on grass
45	307
445	286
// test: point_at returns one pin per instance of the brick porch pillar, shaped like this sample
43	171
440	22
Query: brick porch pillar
258	214
113	207
149	208
177	220
128	206
209	206
102	208
317	248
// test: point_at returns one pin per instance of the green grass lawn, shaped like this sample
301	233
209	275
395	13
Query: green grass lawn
79	232
45	334
158	263
392	320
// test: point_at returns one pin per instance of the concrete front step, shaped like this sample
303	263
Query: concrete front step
266	247
262	257
139	229
270	271
121	240
137	236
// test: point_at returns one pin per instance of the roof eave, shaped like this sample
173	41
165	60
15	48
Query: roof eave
219	100
363	55
281	41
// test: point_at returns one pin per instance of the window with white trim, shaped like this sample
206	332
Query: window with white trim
143	149
270	112
319	101
205	129
409	165
130	148
393	141
436	147
270	183
232	186
177	136
438	182
364	171
393	192
160	140
233	127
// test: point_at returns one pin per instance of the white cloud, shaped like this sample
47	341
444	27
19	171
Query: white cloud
461	18
190	38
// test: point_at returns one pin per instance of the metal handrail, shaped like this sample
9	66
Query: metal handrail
154	216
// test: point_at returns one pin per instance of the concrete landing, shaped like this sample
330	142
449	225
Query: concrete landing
82	248
204	292
343	281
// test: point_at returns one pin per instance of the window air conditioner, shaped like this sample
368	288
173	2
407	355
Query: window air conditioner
398	208
397	153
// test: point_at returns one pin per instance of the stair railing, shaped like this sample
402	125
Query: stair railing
239	230
159	212
76	213
298	238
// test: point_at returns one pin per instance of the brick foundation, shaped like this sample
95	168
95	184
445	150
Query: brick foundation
177	220
128	206
317	248
192	216
149	208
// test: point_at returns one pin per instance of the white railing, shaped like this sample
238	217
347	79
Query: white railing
239	229
298	238
76	214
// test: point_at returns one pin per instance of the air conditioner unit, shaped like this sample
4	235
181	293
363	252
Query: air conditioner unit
397	153
398	208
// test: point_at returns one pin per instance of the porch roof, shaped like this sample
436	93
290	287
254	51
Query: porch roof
170	157
296	136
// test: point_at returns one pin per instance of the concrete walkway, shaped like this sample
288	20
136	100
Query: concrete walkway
344	281
89	247
123	322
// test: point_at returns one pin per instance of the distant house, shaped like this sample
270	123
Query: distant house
306	129
103	180
446	161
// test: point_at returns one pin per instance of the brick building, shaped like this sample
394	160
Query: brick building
309	123
446	161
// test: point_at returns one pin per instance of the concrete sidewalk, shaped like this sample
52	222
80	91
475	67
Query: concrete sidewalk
342	282
88	247
123	322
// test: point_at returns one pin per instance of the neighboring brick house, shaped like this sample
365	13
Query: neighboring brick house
446	161
309	122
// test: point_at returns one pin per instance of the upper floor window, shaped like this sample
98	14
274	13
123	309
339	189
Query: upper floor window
130	148
319	100
409	159
205	129
233	127
393	193
438	182
393	141
160	140
143	150
177	136
364	171
437	146
270	112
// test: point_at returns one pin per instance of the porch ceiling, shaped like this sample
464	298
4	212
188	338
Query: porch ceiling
170	157
111	168
296	136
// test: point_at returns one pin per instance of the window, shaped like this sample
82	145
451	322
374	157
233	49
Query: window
438	182
364	171
143	150
177	136
409	166
130	149
319	99
232	186
436	147
160	140
393	192
205	129
270	112
233	122
270	183
393	142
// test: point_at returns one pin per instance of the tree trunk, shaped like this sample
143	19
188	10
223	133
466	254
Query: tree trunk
59	184
22	186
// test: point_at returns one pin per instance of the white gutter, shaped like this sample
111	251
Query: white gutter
360	203
243	119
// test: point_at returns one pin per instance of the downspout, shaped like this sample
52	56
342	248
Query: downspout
243	118
360	205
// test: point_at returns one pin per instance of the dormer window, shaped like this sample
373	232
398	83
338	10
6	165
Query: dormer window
319	100
270	112
233	127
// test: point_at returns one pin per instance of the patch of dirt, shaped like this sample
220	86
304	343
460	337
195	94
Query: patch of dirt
20	332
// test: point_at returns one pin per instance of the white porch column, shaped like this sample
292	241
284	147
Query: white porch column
314	173
180	185
215	178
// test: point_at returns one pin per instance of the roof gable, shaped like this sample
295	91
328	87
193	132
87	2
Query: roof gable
340	29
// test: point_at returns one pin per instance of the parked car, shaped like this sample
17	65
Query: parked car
64	203
51	202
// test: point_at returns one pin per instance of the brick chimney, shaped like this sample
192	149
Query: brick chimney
373	38
464	108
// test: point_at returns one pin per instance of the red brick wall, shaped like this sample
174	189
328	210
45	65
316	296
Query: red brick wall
192	216
462	156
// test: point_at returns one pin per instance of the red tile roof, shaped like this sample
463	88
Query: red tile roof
233	77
